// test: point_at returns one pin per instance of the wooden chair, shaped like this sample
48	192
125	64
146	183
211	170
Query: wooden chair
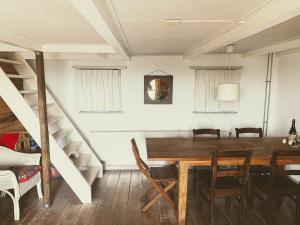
248	130
163	179
197	132
279	183
227	182
203	169
254	170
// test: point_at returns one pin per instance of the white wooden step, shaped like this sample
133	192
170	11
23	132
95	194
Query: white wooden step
10	61
36	106
71	149
82	161
28	91
14	76
54	119
90	174
62	133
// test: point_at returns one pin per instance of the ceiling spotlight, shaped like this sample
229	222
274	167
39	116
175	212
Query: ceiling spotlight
202	21
173	20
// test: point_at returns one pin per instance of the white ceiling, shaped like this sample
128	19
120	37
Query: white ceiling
288	30
147	33
47	21
111	26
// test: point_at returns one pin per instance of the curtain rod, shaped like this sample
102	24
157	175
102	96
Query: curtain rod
216	67
99	67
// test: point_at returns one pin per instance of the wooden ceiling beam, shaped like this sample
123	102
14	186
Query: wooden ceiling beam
93	15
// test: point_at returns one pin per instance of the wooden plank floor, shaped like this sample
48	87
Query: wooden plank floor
116	202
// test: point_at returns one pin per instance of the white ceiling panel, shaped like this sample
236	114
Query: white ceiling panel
47	21
147	33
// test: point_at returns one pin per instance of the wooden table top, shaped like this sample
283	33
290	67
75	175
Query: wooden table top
199	149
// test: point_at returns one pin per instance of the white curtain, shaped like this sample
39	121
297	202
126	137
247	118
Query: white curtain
206	87
98	90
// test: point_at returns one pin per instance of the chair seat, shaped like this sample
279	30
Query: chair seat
260	170
164	173
283	183
223	182
24	173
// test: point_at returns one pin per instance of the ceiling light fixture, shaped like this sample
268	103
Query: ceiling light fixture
202	21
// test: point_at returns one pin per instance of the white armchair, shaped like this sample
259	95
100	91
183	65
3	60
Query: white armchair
9	180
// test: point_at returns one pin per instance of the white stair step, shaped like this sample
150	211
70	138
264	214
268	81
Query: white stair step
14	76
54	119
82	161
71	149
62	133
90	174
36	106
10	61
28	91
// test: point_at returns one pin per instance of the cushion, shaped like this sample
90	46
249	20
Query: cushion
10	140
24	173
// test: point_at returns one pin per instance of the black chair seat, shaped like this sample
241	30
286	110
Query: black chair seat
164	173
260	170
282	182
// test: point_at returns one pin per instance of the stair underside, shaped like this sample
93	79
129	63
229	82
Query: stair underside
71	149
62	133
91	174
28	91
14	76
82	161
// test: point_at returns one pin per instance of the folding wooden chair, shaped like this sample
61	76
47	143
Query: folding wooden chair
163	179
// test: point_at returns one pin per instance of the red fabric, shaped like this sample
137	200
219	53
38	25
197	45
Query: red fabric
24	173
9	140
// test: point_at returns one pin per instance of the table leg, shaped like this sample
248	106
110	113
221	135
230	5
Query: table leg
182	192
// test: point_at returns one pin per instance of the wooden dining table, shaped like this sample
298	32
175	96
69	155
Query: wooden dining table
190	152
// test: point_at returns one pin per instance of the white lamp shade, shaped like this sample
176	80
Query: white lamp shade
228	92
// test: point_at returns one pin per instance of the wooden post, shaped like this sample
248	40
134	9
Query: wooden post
43	127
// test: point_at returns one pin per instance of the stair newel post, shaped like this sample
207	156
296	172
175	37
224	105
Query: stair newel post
42	103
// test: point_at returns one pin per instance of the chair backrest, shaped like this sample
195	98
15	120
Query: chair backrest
215	132
248	130
239	165
140	163
281	158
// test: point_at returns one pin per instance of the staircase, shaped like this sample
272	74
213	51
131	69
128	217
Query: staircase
69	152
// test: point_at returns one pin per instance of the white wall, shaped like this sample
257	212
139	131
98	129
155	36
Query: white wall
286	107
141	120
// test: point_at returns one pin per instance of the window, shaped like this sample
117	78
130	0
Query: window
98	90
206	87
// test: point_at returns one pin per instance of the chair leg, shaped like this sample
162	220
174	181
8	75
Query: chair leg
212	209
279	201
15	200
39	190
162	194
194	179
228	203
269	205
16	209
250	193
242	208
298	210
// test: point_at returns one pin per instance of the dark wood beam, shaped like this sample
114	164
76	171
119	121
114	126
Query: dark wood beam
43	127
